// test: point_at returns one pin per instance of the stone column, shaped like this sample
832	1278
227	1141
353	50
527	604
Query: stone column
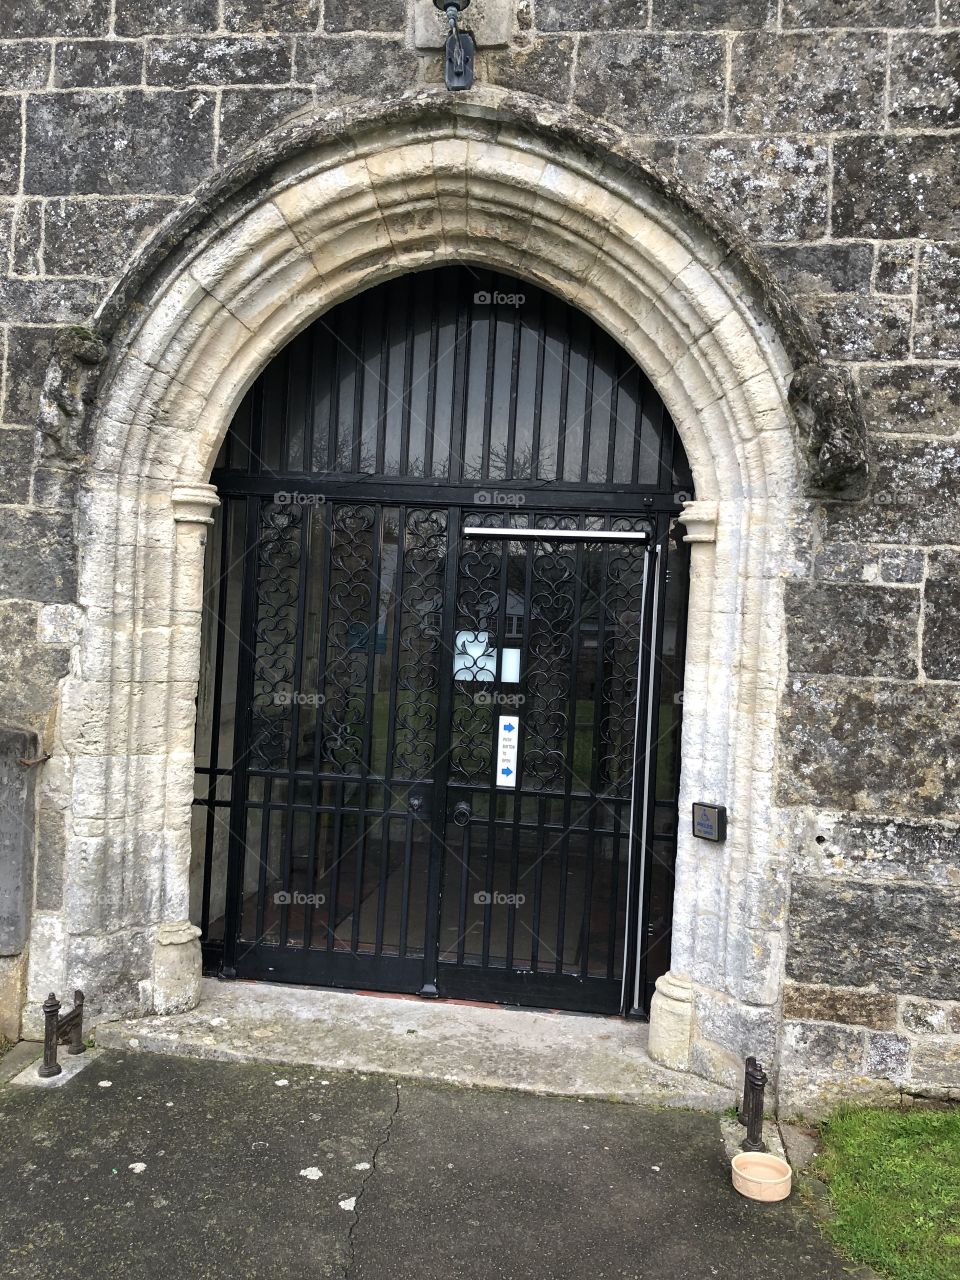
672	1006
177	965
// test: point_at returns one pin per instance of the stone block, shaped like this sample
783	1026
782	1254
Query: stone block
544	68
888	748
246	115
937	1062
915	399
706	15
859	13
12	992
27	239
852	629
807	83
358	15
112	970
37	559
821	1049
653	84
941	623
770	189
590	15
898	938
187	60
898	508
930	1017
95	237
25	64
28	354
902	565
348	68
16	457
46	302
31	670
17	787
894	270
896	187
97	63
808	1002
857	328
887	1056
10	135
51	848
23	18
925	81
492	24
115	143
937	332
271	15
822	268
881	849
166	17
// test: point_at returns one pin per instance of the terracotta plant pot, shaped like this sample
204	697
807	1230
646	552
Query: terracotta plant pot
761	1176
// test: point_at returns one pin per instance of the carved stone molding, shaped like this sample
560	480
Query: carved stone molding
699	519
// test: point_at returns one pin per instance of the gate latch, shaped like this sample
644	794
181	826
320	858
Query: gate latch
459	49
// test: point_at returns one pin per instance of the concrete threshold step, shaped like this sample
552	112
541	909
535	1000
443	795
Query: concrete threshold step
444	1041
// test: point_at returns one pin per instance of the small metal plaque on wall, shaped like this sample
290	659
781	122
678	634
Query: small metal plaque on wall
710	822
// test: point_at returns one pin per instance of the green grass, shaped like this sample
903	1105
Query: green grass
894	1183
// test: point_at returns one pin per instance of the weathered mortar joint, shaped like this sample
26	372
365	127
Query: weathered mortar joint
833	436
68	392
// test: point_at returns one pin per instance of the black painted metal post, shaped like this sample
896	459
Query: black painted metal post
51	1009
742	1113
756	1081
76	1026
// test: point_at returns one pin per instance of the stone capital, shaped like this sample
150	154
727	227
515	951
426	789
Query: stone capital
699	519
194	503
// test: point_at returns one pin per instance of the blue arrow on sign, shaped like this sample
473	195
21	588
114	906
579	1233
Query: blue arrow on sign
506	771
509	728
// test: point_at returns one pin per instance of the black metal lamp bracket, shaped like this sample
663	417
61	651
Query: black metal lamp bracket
459	49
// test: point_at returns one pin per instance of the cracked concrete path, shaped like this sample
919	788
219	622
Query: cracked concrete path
152	1166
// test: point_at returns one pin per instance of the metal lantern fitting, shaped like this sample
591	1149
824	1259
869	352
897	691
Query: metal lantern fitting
459	49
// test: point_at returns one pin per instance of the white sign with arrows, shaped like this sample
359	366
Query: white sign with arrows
508	736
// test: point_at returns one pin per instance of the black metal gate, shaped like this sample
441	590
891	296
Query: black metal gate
439	711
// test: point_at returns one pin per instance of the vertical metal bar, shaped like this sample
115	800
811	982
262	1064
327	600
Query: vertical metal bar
580	555
428	987
236	854
223	524
538	392
293	750
406	388
76	1028
588	407
489	374
430	426
376	562
649	760
564	399
509	462
631	928
391	725
461	370
595	781
316	788
518	795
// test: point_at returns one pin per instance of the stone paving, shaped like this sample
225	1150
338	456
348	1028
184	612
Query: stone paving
151	1166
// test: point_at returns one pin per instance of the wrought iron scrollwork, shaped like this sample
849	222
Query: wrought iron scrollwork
419	662
279	552
352	585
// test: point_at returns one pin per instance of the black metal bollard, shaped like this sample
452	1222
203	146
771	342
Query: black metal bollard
51	1009
73	1023
755	1080
742	1113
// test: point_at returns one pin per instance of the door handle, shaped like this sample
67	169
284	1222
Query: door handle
462	813
415	804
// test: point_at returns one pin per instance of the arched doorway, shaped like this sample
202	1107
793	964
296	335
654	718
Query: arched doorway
440	698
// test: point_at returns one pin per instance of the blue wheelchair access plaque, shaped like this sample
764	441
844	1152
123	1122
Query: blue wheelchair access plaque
710	822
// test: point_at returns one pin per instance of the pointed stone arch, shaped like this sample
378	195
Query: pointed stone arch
417	183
